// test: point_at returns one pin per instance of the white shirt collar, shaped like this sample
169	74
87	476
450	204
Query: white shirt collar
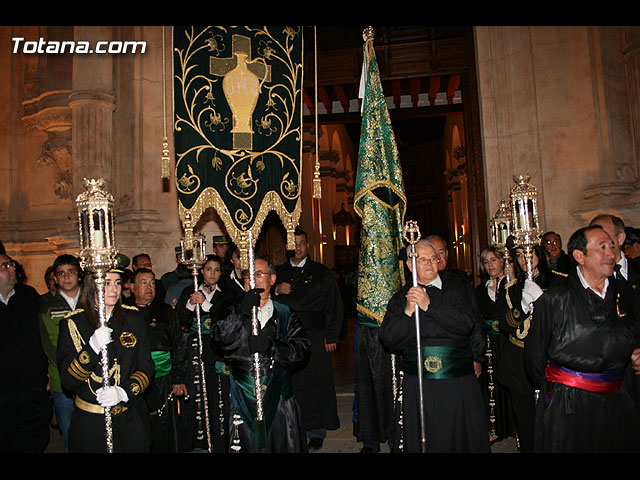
624	266
235	278
436	282
9	295
301	264
265	313
72	301
206	292
587	286
489	284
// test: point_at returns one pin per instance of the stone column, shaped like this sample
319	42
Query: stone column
631	59
92	104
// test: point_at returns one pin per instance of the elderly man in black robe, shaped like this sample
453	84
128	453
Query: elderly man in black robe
281	346
453	406
311	291
579	344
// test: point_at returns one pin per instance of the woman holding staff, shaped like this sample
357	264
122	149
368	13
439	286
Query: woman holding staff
131	369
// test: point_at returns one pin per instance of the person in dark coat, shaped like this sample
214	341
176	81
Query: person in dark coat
455	419
311	291
131	370
514	323
558	260
211	302
579	345
281	346
491	302
169	358
25	406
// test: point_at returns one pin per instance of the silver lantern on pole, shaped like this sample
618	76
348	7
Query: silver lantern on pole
98	255
193	247
527	232
524	210
501	226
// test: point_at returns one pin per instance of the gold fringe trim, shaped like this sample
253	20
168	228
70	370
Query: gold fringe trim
209	197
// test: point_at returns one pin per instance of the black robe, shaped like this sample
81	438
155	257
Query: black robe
632	285
454	409
165	340
288	348
576	329
215	373
514	323
496	396
316	300
81	372
25	407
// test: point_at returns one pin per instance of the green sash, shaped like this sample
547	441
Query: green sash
490	326
162	361
439	362
275	388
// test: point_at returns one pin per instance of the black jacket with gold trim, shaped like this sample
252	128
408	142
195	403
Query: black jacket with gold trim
130	364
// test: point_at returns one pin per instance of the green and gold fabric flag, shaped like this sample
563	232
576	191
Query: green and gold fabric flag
238	125
379	200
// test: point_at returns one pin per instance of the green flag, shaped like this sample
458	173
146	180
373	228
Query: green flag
379	200
238	125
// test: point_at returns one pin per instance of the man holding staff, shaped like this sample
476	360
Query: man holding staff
453	405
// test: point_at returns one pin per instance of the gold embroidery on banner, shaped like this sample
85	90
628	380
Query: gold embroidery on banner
242	79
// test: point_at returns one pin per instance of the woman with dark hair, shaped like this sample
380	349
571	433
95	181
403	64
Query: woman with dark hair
212	301
520	295
491	302
131	370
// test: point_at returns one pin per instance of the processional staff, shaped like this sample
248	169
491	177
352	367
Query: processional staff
527	231
98	255
412	235
500	225
194	257
259	427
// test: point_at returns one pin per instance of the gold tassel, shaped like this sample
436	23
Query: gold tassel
165	168
165	159
317	185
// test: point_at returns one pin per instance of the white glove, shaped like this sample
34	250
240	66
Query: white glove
530	293
111	396
101	337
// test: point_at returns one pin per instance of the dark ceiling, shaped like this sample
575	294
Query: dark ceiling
413	60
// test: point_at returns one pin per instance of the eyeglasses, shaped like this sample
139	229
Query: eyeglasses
552	242
429	261
7	265
258	273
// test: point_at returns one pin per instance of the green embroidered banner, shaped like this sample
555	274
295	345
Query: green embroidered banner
379	200
238	125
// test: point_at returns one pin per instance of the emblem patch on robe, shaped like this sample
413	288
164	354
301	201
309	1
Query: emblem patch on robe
433	363
128	339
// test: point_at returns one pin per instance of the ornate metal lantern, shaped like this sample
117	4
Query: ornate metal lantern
501	226
524	210
98	255
95	221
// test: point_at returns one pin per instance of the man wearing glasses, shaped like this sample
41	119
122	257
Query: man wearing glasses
67	274
281	346
455	420
558	260
24	401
